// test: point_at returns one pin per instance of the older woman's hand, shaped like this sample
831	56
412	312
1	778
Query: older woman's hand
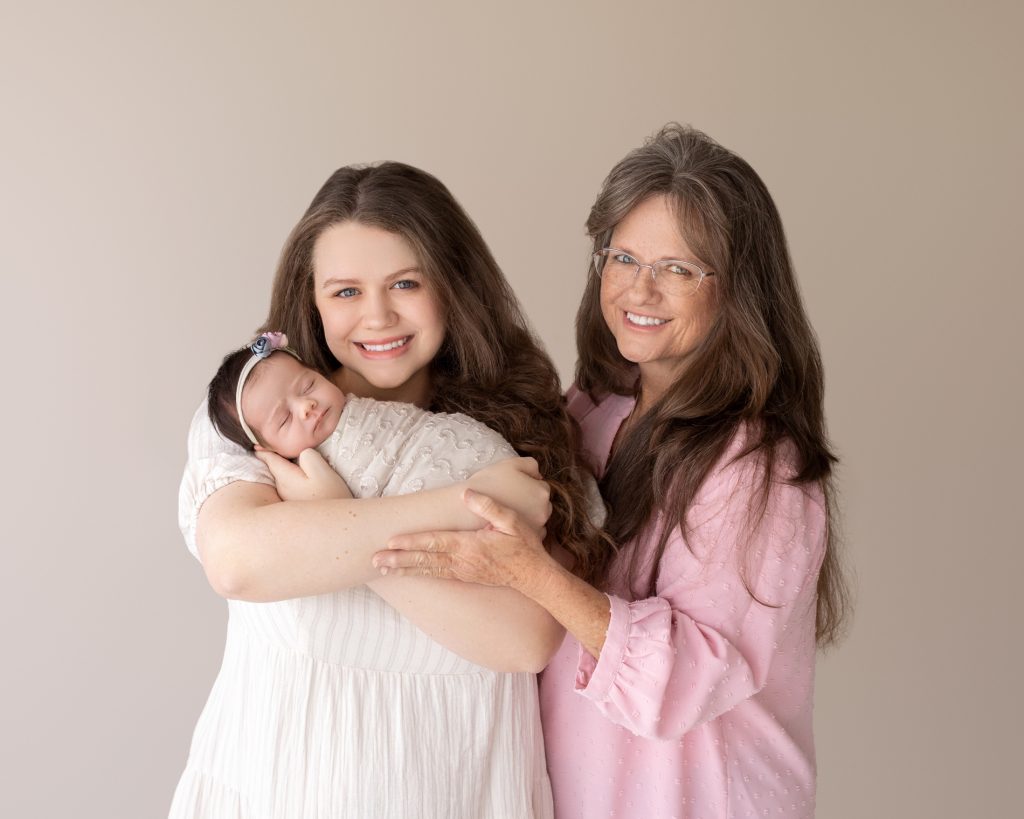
506	552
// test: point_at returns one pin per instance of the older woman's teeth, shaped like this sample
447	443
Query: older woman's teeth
383	348
645	321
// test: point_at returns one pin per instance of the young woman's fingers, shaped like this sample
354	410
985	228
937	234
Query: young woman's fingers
281	468
321	479
529	466
499	517
313	463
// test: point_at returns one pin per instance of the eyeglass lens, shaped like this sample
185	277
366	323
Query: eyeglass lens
670	275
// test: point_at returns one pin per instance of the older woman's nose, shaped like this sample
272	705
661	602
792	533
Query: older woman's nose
643	286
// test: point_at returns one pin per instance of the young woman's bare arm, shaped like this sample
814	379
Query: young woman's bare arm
256	547
506	554
499	629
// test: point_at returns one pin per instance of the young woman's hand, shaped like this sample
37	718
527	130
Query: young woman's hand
506	552
312	478
517	483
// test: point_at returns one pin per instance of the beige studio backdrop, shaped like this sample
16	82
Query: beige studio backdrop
153	157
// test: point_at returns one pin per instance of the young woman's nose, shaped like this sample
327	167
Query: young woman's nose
379	312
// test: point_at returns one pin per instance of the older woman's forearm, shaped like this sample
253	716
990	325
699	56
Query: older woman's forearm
580	608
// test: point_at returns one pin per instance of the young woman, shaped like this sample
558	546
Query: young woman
684	685
331	702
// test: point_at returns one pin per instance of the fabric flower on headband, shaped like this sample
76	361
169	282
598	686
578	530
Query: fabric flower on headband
267	343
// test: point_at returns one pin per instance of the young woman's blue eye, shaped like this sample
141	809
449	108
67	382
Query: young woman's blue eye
406	284
347	292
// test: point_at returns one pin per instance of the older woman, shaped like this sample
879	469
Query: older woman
684	685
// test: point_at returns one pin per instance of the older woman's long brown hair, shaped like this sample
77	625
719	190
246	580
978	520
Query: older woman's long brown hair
759	365
490	365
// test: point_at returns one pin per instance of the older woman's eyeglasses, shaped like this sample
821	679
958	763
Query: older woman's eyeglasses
673	277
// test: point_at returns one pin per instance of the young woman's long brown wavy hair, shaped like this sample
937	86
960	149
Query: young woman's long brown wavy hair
490	366
759	365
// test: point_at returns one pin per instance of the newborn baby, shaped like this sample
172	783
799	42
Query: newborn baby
264	396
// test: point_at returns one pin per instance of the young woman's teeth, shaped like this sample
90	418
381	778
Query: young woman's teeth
645	321
383	348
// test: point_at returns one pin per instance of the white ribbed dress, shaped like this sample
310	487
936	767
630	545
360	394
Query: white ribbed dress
336	705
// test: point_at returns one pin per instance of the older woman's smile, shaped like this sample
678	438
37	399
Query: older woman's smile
644	321
654	329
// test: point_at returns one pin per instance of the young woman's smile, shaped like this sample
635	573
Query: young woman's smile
381	320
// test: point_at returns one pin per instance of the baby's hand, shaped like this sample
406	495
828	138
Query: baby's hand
310	479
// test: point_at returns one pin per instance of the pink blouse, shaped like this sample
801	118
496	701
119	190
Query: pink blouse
700	703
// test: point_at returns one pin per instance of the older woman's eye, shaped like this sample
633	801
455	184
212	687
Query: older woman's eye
680	270
623	258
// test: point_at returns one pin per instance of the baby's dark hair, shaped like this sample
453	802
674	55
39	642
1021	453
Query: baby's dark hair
220	398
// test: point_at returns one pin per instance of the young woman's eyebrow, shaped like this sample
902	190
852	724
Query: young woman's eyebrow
336	281
405	271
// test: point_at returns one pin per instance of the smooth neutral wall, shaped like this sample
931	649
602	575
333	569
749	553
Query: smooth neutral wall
154	156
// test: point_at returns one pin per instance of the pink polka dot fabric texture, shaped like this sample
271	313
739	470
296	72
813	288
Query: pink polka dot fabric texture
700	704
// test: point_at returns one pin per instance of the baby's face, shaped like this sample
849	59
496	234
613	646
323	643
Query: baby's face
289	406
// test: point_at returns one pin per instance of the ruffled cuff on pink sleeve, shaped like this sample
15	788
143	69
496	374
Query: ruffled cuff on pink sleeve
637	650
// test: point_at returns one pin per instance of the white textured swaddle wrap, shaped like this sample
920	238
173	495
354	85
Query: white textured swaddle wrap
386	448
